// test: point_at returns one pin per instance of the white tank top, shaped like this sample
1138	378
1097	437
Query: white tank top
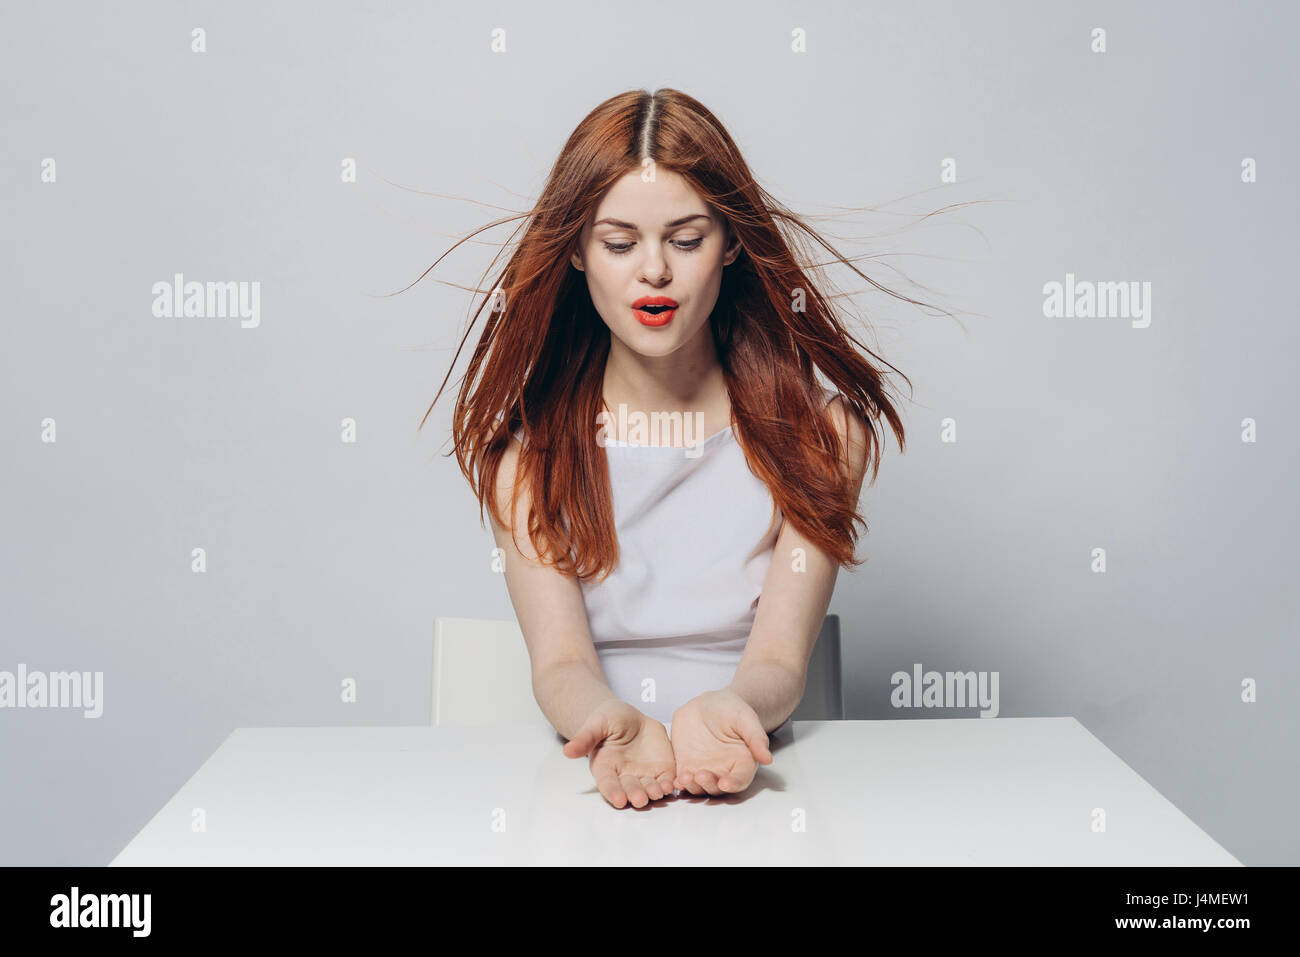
696	537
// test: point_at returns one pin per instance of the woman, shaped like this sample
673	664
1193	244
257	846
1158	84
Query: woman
655	285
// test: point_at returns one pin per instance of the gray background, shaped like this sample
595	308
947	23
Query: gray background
328	560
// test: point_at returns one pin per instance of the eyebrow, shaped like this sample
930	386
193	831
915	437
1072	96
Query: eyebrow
674	224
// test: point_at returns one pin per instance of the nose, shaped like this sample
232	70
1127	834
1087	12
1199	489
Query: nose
654	269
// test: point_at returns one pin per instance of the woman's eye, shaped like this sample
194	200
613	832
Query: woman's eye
685	245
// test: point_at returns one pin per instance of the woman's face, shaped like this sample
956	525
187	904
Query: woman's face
659	241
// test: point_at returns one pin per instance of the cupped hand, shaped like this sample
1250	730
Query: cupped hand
631	754
718	741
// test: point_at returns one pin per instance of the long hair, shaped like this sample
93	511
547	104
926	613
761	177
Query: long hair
539	364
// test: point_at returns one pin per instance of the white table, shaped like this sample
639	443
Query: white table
1001	791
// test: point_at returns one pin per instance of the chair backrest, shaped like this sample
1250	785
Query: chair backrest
823	693
482	675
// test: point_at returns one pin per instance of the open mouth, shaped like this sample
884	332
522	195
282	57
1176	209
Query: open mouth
654	310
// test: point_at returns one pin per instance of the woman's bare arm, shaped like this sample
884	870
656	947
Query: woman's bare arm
773	668
567	679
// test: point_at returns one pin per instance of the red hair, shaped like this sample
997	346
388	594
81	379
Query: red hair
539	363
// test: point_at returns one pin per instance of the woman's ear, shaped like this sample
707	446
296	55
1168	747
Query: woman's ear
733	250
576	259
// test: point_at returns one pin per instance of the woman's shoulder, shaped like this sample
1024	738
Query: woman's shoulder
852	430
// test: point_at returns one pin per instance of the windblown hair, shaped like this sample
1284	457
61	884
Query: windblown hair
539	364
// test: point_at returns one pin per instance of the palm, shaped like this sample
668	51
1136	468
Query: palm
631	758
716	746
705	747
648	755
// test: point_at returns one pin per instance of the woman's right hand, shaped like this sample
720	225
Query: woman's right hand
631	754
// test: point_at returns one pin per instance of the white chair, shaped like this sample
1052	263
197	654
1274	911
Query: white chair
482	675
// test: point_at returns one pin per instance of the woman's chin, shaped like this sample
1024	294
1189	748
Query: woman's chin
647	341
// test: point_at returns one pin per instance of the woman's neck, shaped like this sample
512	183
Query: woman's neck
689	381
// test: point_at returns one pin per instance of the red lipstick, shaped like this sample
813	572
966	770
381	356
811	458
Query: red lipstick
654	310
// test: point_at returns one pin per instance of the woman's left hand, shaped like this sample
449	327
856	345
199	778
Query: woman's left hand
718	742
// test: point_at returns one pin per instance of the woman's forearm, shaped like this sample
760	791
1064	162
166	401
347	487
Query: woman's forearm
567	692
773	690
